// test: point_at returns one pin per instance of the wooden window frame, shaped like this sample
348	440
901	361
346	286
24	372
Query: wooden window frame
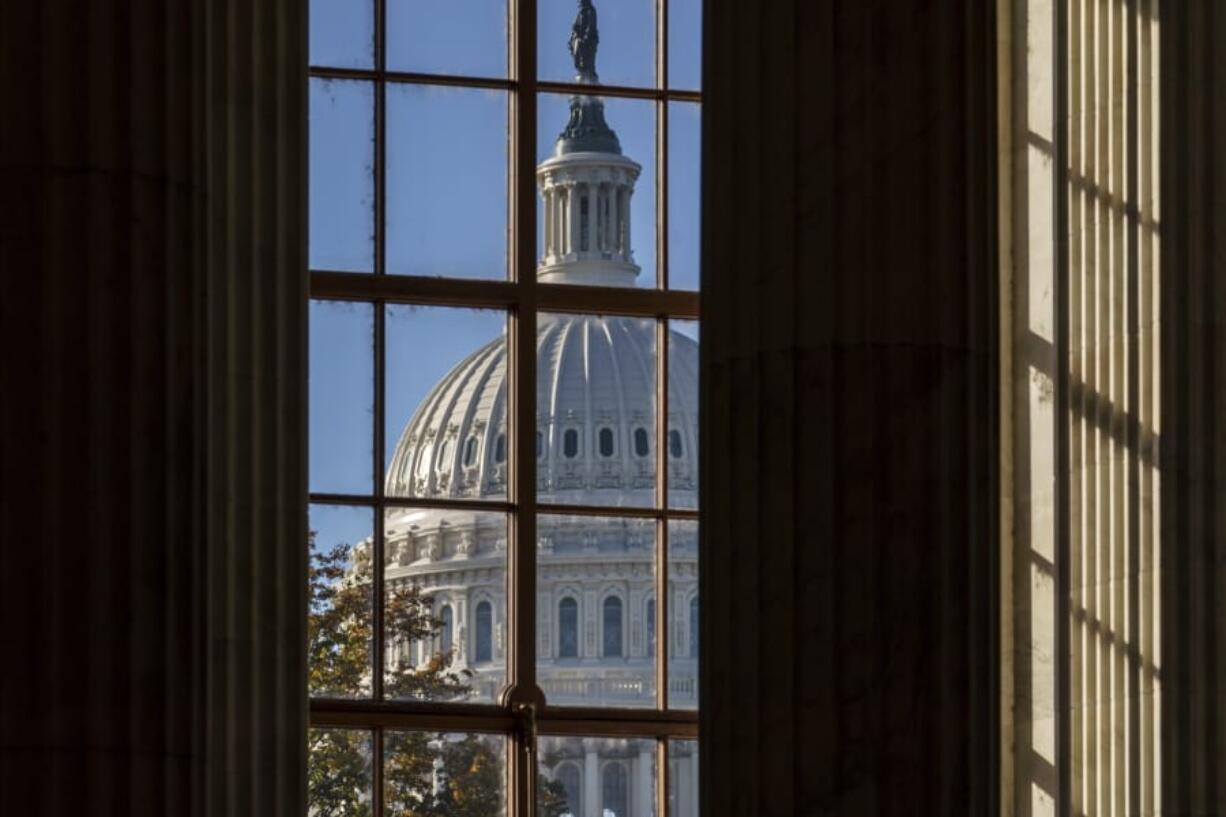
522	708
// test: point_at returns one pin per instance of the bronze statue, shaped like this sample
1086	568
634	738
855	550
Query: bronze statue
583	41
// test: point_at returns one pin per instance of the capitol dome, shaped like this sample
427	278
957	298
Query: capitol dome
596	419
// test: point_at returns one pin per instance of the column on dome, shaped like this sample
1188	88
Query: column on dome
643	789
555	220
572	218
691	799
607	198
591	780
547	218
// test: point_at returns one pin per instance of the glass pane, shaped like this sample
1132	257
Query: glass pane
446	403
339	625
683	614
466	37
683	778
596	191
339	779
683	414
596	374
611	777
626	52
684	193
342	175
443	774
446	181
685	44
445	604
595	577
342	33
341	394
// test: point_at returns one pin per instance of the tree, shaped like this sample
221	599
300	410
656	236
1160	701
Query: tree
425	774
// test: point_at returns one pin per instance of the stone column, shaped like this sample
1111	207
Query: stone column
152	444
1192	448
572	217
849	498
591	779
692	794
643	789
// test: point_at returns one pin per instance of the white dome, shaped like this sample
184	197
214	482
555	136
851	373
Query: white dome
595	419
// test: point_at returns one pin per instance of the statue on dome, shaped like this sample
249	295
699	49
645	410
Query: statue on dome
583	41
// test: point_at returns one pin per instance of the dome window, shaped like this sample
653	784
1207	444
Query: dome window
570	443
485	633
612	627
641	445
470	452
675	449
445	617
443	451
500	448
606	442
568	628
540	445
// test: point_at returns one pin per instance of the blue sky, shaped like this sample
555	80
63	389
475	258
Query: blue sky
446	205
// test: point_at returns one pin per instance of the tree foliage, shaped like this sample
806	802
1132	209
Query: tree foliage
425	774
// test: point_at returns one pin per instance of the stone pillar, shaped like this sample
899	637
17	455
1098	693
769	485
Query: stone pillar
692	808
572	217
1192	448
152	445
849	498
591	779
643	790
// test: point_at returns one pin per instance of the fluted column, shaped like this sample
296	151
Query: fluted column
591	780
643	790
848	487
152	520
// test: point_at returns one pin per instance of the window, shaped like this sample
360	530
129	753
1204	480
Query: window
674	444
568	629
641	446
484	650
500	255
570	443
612	627
607	447
650	627
694	627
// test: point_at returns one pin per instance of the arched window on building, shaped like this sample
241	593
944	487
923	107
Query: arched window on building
470	452
485	633
568	628
445	635
568	775
694	627
651	627
570	443
642	446
607	443
615	790
675	449
612	627
500	448
540	445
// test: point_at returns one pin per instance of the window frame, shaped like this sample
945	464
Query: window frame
522	298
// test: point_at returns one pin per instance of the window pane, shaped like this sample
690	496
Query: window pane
594	576
446	181
596	191
684	189
595	374
683	778
626	54
611	777
446	402
342	200
445	613
339	779
683	414
685	44
683	614
339	625
341	389
443	774
448	37
343	33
